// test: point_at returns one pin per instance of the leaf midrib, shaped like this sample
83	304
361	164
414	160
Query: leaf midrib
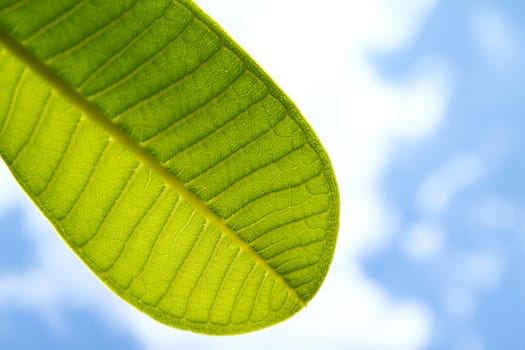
98	117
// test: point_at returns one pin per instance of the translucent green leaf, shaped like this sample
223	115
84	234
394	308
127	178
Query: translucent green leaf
166	159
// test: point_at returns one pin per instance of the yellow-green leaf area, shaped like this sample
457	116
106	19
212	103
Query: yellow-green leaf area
169	162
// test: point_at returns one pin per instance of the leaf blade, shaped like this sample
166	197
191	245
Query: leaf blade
140	164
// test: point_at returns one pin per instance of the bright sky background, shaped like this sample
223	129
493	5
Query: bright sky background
419	104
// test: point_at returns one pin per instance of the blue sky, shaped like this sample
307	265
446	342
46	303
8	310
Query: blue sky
473	282
419	103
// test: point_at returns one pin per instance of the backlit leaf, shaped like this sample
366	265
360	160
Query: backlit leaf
166	159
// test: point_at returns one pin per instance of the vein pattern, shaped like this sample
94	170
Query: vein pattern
167	160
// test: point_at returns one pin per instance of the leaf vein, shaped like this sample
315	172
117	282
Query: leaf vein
13	7
90	178
277	192
121	52
239	292
297	246
232	153
287	223
148	211
72	138
114	203
243	178
187	256
16	92
214	131
61	17
298	259
35	129
138	68
157	238
304	267
199	107
223	283
252	308
165	89
91	36
201	273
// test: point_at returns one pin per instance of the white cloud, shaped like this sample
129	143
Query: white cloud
458	302
448	179
317	51
422	241
481	270
496	214
465	279
495	35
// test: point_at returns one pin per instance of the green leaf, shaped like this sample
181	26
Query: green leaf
166	159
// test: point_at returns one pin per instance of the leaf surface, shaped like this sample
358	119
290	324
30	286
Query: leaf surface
166	159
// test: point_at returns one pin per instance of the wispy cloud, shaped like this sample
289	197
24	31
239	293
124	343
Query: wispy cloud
458	173
495	35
